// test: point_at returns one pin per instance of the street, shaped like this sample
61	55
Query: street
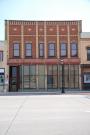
67	114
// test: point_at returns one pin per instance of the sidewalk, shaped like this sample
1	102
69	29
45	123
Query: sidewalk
45	115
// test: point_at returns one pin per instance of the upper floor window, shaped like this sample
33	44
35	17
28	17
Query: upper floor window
41	49
28	49
51	50
88	53
16	50
1	55
63	50
74	51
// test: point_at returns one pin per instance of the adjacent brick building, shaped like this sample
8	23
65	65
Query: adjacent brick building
38	49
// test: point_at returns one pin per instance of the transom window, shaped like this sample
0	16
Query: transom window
63	50
88	53
16	50
74	50
41	49
51	49
1	55
28	51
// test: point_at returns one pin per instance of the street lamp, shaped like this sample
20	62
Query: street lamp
62	63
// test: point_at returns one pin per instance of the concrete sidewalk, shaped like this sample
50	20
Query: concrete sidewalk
45	115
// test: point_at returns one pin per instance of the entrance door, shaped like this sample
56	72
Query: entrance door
14	78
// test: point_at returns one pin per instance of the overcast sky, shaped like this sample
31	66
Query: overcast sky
45	10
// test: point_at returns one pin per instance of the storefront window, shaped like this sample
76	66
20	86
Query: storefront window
29	76
52	74
41	76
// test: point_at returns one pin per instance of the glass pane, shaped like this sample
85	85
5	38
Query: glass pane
49	70
51	52
41	53
41	81
16	46
54	69
55	82
32	81
41	69
1	79
26	70
32	69
63	52
16	52
26	85
1	55
28	53
88	53
28	46
51	46
74	46
49	81
26	78
14	71
63	46
74	52
41	46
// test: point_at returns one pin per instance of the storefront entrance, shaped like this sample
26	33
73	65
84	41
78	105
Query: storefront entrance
14	78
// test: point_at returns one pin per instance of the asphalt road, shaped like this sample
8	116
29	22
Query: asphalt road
45	115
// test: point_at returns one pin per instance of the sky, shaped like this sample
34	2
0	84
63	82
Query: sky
45	10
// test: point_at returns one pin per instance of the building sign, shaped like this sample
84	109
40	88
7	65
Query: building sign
87	78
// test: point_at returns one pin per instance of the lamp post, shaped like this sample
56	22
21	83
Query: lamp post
62	63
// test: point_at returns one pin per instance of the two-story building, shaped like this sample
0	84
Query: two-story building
38	49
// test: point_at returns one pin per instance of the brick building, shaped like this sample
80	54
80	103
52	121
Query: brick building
37	50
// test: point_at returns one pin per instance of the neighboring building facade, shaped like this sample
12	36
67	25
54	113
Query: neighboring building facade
3	67
36	50
85	60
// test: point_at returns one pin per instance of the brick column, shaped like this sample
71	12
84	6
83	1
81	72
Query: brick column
22	42
79	53
58	49
36	39
68	41
45	52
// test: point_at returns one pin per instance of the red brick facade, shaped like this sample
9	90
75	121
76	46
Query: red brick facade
36	32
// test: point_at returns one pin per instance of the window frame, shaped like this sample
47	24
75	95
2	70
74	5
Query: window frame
1	58
40	49
88	59
71	50
28	49
63	49
51	56
15	56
